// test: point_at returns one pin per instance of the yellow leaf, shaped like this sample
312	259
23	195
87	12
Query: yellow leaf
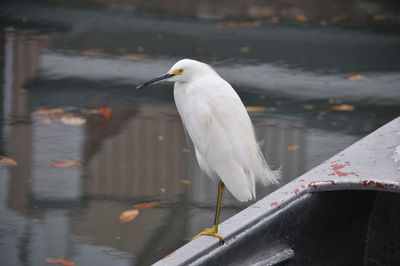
356	77
245	49
128	216
308	107
186	181
7	161
64	164
72	120
63	261
256	109
293	147
344	107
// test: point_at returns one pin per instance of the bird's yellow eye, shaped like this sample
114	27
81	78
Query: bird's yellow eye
178	71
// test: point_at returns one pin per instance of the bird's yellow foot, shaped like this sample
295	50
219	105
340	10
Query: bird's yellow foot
213	231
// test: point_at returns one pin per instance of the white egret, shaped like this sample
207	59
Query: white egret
221	131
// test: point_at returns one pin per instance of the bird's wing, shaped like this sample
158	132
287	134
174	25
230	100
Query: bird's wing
222	133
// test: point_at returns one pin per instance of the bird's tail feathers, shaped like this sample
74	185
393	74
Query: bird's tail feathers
265	175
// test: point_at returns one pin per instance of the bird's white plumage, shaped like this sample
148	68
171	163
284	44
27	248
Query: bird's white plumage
220	129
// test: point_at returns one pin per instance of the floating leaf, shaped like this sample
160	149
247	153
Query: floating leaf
64	164
356	77
46	122
344	107
73	120
238	24
300	18
245	49
339	18
50	111
92	51
63	261
308	107
186	181
256	109
135	56
146	205
7	161
128	216
293	147
106	111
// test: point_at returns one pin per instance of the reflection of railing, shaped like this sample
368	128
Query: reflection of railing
278	137
145	158
21	61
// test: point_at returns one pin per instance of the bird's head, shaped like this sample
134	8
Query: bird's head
184	70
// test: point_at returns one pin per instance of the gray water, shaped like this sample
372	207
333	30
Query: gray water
84	56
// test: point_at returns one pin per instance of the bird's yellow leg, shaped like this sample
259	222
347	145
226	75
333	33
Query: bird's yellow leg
213	231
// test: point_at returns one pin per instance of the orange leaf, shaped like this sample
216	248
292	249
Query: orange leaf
65	262
135	56
49	111
300	18
356	77
106	111
238	24
344	107
7	161
64	164
293	147
128	216
46	122
93	51
146	205
186	181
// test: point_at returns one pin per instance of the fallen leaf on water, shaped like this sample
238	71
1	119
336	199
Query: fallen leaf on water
49	111
63	261
186	181
339	18
293	147
135	56
146	205
343	107
308	107
238	24
93	51
46	122
128	216
64	164
245	49
356	77
300	18
73	120
256	109
7	161
106	111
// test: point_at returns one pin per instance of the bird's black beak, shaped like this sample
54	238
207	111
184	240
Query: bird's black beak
154	80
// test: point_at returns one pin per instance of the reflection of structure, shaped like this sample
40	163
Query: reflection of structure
144	159
21	61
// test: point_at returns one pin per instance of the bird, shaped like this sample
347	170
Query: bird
221	131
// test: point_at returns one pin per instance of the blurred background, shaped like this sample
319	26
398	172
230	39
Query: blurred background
315	75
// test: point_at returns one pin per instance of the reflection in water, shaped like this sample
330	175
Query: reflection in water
140	154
